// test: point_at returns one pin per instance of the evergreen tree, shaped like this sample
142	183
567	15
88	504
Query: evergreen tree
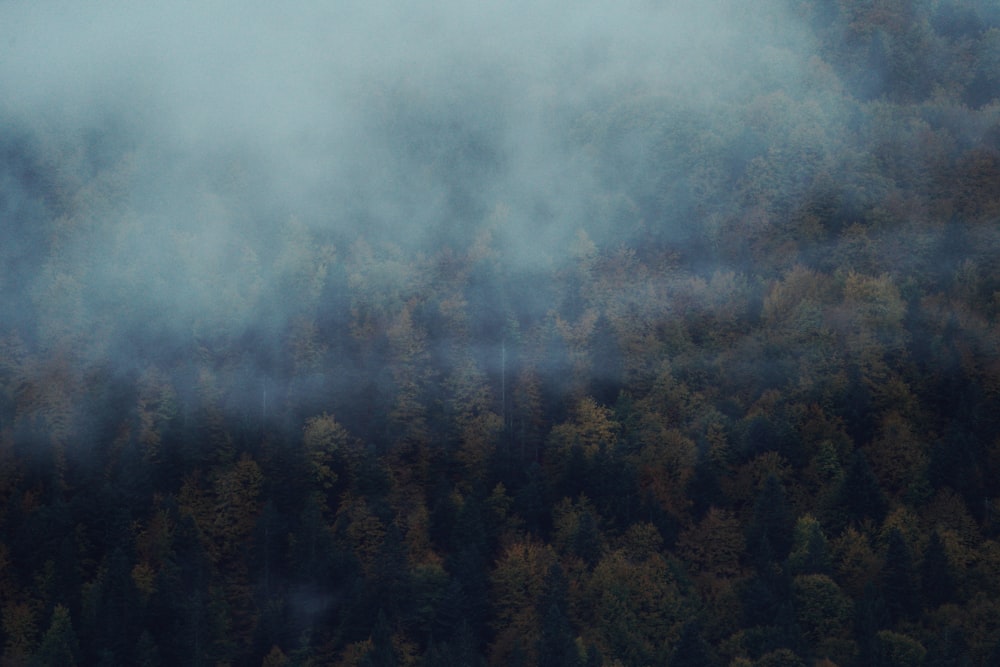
59	645
769	534
937	582
449	613
898	579
594	657
691	649
870	616
586	541
470	570
382	653
860	495
948	649
146	654
811	552
112	611
179	609
392	582
556	645
461	649
532	501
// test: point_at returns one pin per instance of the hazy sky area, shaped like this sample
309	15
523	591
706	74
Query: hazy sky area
172	147
393	115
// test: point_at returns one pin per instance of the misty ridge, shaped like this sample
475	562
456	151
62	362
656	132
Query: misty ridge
171	172
201	178
654	332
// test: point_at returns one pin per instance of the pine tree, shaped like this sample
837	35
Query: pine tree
691	649
382	653
586	542
870	616
860	495
772	523
556	646
938	584
59	645
146	654
811	552
392	580
898	579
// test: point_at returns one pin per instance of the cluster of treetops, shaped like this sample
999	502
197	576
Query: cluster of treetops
773	441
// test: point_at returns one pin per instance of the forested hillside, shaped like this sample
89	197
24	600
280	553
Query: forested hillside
595	360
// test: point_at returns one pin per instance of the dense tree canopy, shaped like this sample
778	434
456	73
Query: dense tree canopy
747	414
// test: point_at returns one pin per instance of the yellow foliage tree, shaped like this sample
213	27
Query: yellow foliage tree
636	608
157	405
517	581
898	455
712	547
322	437
591	426
854	561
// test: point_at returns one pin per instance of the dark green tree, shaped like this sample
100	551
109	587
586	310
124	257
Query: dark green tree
382	653
470	570
556	645
936	578
948	649
586	541
532	501
769	534
692	650
860	496
179	609
594	657
111	612
59	645
811	554
146	654
870	616
898	579
461	649
392	581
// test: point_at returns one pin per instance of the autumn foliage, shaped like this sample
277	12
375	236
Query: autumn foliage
771	442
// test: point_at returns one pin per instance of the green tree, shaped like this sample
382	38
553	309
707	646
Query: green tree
146	653
898	579
860	495
823	610
781	657
59	646
391	576
936	577
691	650
556	645
111	613
635	606
810	550
769	533
408	426
323	437
382	652
713	547
518	581
899	650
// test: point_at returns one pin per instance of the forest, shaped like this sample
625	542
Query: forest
620	345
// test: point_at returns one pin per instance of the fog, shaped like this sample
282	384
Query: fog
202	174
409	122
